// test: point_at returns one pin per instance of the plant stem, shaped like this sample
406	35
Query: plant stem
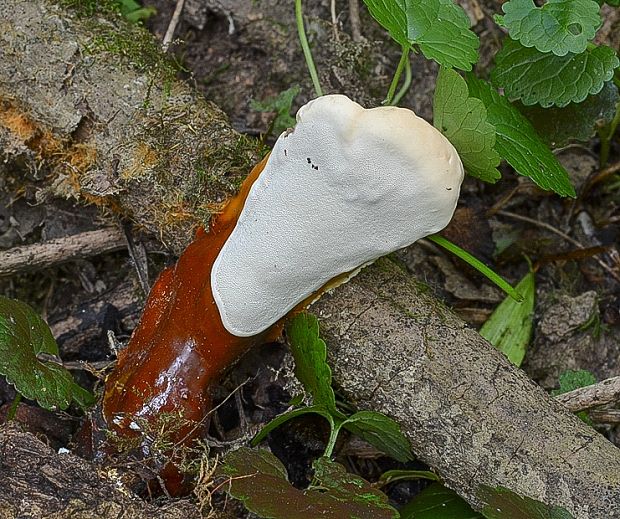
406	84
399	70
391	476
477	264
10	415
299	16
335	430
606	139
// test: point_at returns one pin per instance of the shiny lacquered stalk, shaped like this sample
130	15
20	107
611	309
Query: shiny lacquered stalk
179	349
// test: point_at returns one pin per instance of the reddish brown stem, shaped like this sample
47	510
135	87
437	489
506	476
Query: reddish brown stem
180	347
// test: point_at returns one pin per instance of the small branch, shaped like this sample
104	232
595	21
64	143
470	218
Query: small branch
610	416
603	174
332	8
174	21
53	252
354	18
587	397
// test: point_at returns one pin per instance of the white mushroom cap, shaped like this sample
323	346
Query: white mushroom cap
345	187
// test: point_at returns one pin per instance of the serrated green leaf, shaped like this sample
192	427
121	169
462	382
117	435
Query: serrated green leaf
510	325
559	26
517	141
310	354
576	121
438	502
23	337
549	80
289	415
502	503
259	479
380	431
463	120
440	28
281	105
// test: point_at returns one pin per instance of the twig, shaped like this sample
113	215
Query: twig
602	175
563	235
610	416
354	18
332	8
137	253
172	26
53	252
587	397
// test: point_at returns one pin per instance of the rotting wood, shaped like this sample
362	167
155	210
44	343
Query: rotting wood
468	412
112	127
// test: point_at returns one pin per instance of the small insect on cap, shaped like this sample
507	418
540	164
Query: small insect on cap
346	186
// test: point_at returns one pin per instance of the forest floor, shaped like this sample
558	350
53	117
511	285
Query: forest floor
237	52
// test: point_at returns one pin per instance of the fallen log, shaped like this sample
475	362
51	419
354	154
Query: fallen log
128	136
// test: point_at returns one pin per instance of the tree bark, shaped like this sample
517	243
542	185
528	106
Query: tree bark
467	411
130	138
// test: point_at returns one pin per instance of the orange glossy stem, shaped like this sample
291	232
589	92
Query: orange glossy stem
180	347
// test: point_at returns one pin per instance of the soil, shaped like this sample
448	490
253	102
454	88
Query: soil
236	52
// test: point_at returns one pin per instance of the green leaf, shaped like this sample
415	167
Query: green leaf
438	502
463	120
548	80
345	486
24	336
289	415
576	121
505	504
439	28
259	479
134	12
559	26
518	143
380	431
281	105
574	379
510	325
310	353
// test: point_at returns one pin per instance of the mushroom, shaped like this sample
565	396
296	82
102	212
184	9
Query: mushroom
346	186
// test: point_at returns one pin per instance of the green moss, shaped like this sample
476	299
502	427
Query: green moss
87	8
134	45
229	164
